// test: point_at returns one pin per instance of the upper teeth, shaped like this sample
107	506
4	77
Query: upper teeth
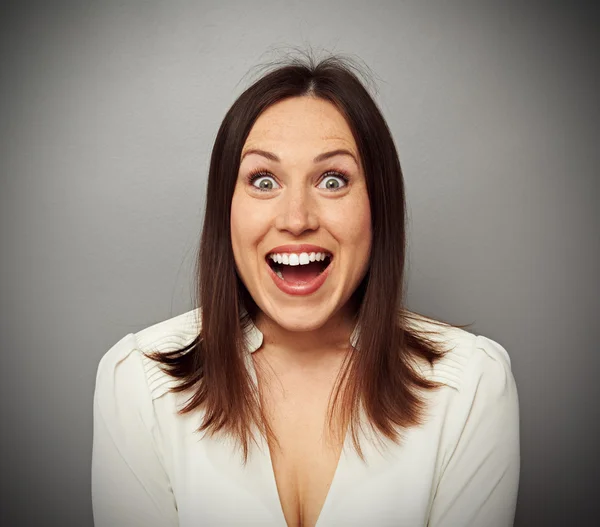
297	258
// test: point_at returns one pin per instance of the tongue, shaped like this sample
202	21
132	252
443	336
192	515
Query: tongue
301	274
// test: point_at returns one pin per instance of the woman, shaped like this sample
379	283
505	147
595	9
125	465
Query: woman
301	391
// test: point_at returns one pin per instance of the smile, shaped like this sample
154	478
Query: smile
299	273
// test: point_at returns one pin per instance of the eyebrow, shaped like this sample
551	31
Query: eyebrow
318	159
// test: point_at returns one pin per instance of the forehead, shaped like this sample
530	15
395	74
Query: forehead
301	122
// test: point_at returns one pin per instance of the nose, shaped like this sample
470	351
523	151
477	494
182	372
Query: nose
298	212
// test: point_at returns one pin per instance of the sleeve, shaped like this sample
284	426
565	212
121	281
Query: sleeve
480	482
130	486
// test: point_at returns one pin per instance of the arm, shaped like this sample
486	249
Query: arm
480	482
130	486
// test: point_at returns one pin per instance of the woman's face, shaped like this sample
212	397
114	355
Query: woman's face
300	214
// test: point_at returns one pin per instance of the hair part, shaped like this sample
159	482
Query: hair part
380	377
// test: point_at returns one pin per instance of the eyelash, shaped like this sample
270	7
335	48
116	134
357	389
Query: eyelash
258	173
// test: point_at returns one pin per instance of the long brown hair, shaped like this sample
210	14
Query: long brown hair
380	377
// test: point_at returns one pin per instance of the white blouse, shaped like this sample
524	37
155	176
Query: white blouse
151	468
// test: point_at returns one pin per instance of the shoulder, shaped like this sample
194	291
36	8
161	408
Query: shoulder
170	334
125	366
469	359
478	400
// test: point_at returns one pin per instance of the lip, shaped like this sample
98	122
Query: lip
307	288
299	248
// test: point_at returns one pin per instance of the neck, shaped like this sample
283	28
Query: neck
307	347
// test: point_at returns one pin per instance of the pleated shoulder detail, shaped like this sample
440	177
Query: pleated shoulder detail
448	370
166	336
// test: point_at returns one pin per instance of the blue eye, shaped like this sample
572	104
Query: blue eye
333	181
263	182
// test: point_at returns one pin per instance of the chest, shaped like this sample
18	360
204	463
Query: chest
306	479
306	453
212	488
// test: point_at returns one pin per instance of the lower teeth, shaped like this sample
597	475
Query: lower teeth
278	273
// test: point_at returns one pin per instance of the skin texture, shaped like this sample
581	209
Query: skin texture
299	208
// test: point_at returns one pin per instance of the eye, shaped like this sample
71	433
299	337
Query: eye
263	181
333	181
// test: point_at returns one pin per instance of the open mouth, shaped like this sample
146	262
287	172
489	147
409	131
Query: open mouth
299	268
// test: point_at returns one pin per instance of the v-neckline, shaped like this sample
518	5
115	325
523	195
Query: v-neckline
272	493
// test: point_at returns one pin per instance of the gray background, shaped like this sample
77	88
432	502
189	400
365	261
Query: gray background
108	115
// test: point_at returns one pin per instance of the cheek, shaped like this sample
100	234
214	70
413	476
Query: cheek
248	220
238	227
352	224
363	233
